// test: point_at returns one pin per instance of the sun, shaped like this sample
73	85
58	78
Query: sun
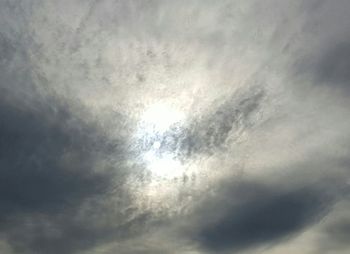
154	126
161	116
165	165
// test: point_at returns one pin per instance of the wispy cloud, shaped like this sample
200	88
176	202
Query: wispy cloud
261	153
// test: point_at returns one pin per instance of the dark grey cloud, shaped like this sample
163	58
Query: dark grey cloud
329	67
53	187
325	57
76	77
61	176
33	174
46	165
55	197
334	65
252	214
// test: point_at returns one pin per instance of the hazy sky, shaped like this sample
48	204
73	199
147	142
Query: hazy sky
174	127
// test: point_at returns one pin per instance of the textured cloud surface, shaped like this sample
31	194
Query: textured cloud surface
174	127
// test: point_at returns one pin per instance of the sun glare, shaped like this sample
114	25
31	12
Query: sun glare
161	116
155	122
165	166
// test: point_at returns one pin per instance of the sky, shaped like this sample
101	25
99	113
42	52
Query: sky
174	127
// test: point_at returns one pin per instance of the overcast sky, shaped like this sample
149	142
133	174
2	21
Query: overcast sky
174	127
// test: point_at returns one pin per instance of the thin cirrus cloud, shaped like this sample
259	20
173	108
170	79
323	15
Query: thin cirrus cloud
261	152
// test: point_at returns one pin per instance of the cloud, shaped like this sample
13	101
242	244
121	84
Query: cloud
47	170
334	65
59	171
325	53
34	175
252	214
263	150
207	134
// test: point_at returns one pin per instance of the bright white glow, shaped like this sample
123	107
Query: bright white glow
155	121
156	145
163	166
159	117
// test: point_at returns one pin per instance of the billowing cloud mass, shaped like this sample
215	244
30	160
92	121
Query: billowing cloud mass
187	127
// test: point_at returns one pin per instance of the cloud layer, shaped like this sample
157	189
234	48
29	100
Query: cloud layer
260	160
